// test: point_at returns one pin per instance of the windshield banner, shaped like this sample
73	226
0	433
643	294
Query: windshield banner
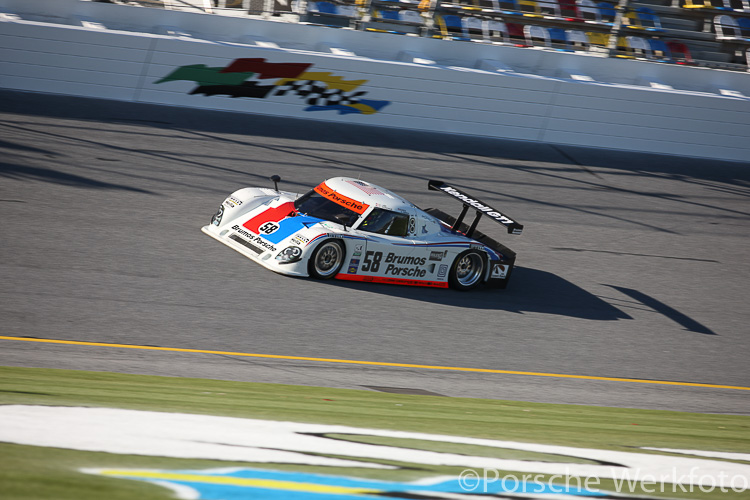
344	201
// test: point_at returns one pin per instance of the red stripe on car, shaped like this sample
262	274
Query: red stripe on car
271	215
391	281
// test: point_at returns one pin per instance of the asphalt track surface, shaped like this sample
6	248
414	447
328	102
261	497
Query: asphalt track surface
630	266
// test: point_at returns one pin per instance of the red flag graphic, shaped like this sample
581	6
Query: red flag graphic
266	69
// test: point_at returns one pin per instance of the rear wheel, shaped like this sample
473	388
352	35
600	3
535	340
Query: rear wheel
326	260
467	270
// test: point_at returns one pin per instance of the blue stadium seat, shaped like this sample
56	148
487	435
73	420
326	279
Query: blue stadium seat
559	39
452	28
660	50
388	14
607	12
744	24
645	19
325	7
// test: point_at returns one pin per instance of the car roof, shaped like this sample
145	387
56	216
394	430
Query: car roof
368	193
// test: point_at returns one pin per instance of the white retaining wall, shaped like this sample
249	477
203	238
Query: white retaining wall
455	87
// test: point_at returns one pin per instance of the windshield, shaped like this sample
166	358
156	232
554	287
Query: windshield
314	205
383	221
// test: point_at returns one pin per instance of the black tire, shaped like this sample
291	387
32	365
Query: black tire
327	260
467	270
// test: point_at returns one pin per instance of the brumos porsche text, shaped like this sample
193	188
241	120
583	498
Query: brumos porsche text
395	265
340	199
255	239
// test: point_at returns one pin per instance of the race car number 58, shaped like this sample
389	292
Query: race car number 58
372	261
268	227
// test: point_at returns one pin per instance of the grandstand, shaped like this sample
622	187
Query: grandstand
570	72
704	33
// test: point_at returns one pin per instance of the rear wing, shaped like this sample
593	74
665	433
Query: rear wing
481	208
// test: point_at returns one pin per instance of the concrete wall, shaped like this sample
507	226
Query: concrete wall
115	52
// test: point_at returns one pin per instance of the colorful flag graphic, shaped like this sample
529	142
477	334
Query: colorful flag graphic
321	90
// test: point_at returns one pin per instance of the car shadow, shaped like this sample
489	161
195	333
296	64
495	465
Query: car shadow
530	290
685	321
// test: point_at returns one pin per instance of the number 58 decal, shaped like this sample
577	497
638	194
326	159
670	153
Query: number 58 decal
268	228
372	261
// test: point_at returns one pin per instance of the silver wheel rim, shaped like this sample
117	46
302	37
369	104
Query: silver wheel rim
327	259
469	269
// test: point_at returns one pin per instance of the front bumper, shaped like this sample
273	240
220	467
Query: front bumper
257	251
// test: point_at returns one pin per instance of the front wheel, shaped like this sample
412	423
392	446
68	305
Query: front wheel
326	260
467	270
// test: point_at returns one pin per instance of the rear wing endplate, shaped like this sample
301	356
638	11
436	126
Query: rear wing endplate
481	208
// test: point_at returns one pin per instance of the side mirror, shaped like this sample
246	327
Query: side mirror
276	179
343	220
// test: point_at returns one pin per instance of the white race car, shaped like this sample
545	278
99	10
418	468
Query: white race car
349	229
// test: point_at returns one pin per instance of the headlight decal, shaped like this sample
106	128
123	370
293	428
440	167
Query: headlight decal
289	255
216	219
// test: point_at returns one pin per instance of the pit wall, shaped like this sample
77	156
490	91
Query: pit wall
294	70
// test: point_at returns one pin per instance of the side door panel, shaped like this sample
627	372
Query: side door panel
397	259
390	256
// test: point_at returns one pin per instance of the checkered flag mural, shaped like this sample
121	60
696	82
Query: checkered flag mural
248	78
318	93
